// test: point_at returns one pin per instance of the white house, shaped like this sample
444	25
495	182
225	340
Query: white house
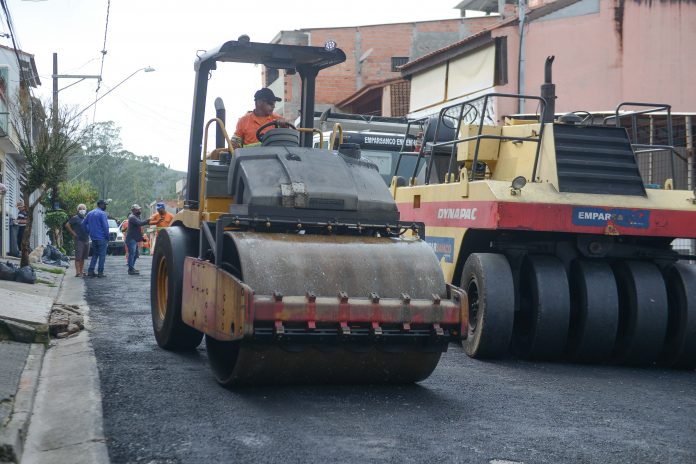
11	63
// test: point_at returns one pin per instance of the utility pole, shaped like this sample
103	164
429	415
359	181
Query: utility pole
55	92
54	188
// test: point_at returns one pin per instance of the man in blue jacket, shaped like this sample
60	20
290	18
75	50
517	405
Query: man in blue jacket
98	226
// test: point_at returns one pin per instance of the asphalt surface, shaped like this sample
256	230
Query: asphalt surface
13	356
163	407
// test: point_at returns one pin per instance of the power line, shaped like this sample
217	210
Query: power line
101	70
103	52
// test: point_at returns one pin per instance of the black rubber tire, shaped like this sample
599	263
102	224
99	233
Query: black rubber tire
487	278
541	324
642	313
680	343
594	311
172	246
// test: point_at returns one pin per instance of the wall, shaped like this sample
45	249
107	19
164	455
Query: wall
8	90
627	51
410	40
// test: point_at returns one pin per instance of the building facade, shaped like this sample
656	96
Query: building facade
606	52
368	81
11	86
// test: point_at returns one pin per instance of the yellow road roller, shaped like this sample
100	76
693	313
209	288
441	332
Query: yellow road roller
293	261
546	223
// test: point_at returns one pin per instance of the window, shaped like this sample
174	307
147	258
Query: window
4	92
501	73
398	61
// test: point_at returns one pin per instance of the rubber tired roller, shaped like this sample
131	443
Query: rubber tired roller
548	225
292	261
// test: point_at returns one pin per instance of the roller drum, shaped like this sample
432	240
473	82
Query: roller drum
326	266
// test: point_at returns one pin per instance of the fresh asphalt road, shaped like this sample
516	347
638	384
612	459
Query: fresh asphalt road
162	407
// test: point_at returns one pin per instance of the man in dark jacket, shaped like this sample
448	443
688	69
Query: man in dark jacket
134	236
97	225
81	238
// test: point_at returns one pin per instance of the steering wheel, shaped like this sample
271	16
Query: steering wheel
272	123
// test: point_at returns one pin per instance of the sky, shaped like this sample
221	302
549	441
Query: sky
153	109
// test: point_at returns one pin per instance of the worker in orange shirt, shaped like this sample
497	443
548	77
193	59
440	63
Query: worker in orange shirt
245	133
161	218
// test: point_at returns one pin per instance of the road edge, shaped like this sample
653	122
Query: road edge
14	434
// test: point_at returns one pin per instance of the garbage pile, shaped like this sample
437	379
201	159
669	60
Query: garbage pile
53	257
10	271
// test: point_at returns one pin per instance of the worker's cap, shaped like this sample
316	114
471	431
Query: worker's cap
266	94
135	207
160	205
102	202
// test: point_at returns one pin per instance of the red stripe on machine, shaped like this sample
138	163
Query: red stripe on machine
545	217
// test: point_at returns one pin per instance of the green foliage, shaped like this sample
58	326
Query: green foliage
119	174
56	219
52	270
74	192
46	141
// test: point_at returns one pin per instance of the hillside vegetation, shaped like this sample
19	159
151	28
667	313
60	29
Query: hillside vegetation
119	174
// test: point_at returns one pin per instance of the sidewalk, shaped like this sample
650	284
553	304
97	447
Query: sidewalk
24	317
36	381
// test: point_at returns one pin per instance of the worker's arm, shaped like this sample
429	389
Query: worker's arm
238	136
280	120
104	224
154	219
70	229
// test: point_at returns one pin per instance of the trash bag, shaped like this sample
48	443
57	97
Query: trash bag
7	271
53	253
54	257
26	275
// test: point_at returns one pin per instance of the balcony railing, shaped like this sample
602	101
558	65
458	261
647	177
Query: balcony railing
4	118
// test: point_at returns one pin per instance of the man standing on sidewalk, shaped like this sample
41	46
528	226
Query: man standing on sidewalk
134	236
81	237
98	226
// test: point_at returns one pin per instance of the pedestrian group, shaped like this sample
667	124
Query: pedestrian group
94	226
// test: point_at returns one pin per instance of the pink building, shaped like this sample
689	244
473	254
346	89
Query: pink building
606	52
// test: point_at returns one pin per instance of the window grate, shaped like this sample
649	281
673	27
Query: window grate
397	61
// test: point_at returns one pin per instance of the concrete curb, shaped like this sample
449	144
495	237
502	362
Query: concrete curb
13	436
67	424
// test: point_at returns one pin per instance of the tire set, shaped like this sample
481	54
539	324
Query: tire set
625	312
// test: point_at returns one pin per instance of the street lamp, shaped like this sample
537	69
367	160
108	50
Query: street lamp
146	69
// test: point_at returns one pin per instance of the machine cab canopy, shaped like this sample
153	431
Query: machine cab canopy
305	61
278	56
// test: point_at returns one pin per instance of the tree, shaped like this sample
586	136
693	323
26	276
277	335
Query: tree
121	175
45	145
72	193
102	144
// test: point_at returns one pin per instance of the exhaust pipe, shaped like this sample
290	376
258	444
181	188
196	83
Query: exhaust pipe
548	92
220	114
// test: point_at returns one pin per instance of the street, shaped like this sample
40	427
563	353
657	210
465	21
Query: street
164	407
